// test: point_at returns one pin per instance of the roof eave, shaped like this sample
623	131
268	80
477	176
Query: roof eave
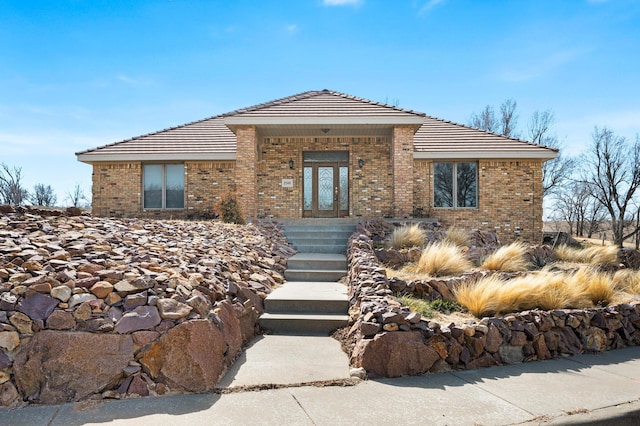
446	155
94	157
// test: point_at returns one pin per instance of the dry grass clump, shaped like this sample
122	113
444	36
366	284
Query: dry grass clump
408	236
511	258
544	289
457	236
627	280
443	258
596	255
597	286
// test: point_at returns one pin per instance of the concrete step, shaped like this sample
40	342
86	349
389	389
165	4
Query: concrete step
325	240
326	275
318	261
299	229
296	323
308	297
304	235
312	247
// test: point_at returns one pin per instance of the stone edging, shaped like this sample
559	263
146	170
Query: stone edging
391	341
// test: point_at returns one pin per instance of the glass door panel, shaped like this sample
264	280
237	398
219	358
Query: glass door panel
325	188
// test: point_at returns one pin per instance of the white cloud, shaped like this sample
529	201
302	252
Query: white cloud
341	2
430	5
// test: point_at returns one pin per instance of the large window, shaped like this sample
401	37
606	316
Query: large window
455	185
163	186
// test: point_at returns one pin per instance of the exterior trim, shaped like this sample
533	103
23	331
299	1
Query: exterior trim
511	155
252	120
98	157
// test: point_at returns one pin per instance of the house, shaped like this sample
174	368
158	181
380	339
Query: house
326	154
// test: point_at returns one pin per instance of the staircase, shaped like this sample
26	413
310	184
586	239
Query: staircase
312	301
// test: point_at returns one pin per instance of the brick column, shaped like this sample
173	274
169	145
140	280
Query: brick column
402	163
246	159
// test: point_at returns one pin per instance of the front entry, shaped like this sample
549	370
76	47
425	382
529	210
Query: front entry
326	184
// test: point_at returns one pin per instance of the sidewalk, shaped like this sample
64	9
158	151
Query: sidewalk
585	389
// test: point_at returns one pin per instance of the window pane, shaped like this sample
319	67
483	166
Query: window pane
443	184
344	188
152	177
467	182
308	185
174	182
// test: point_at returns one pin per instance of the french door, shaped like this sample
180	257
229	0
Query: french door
326	185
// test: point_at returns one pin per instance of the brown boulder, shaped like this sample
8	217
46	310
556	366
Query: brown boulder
189	357
230	328
56	367
394	354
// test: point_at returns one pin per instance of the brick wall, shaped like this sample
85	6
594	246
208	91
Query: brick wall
371	188
402	150
117	188
205	182
246	162
509	199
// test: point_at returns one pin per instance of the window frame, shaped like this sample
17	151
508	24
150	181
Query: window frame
454	171
164	187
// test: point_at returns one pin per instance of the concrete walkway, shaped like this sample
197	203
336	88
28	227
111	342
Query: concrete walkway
585	389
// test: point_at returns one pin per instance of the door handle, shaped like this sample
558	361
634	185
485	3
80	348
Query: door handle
335	194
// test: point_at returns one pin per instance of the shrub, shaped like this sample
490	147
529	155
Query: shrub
443	258
427	308
408	236
596	255
228	209
457	236
511	258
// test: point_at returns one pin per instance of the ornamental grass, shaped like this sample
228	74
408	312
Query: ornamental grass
408	236
510	258
443	258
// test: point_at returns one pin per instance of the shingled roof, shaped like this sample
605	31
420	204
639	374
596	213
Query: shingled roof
213	138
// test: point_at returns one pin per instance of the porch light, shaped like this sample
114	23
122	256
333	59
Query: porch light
291	163
325	131
360	163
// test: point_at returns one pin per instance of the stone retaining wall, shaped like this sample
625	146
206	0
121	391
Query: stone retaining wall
392	341
95	308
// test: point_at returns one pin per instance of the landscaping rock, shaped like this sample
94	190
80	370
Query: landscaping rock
56	367
141	318
188	357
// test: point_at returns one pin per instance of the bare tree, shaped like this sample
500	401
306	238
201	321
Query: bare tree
509	119
43	195
557	171
613	175
505	124
11	190
76	196
485	120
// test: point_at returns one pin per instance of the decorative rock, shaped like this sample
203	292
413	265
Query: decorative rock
358	373
143	338
83	312
594	339
172	309
61	292
61	320
141	318
101	289
137	285
394	354
138	387
37	306
189	357
22	323
511	354
80	298
5	361
391	327
132	301
42	370
9	396
369	328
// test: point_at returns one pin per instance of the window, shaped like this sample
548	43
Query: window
455	185
163	186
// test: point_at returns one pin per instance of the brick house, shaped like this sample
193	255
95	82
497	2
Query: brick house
326	154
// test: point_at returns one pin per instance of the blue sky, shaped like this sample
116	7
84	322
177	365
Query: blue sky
82	73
